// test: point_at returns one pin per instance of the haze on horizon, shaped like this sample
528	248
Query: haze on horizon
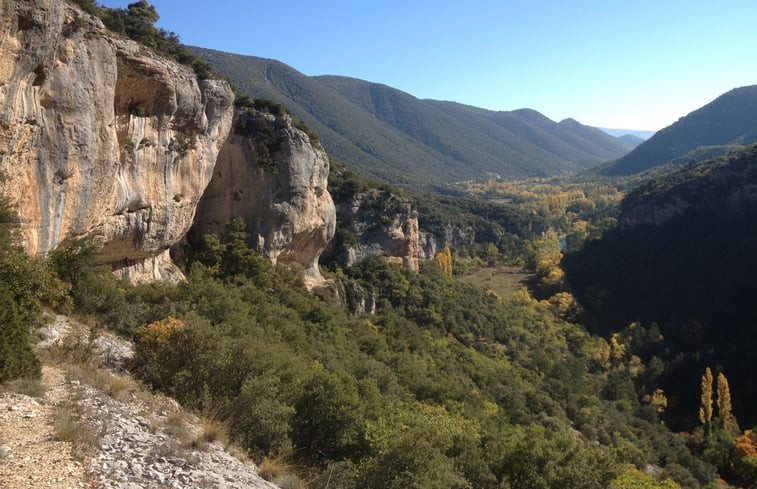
634	65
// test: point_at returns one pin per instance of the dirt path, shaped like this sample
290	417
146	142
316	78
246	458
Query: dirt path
29	455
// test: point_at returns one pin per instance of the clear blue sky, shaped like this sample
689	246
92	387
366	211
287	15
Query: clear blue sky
625	64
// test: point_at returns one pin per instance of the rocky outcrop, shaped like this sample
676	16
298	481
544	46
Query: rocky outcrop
274	176
435	239
100	139
377	223
725	186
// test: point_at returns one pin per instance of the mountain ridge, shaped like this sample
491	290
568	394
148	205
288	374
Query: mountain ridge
386	133
729	122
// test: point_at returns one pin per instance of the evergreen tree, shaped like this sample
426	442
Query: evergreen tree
140	17
24	284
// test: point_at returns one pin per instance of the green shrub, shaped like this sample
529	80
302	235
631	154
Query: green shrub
25	285
16	356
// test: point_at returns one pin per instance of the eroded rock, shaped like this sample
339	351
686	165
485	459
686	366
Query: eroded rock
102	139
272	175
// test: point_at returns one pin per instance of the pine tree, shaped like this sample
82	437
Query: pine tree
724	401
705	411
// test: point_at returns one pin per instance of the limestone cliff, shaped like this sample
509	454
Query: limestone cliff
722	186
101	139
377	223
435	238
274	176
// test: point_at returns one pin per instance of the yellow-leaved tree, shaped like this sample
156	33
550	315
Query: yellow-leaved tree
444	261
705	408
724	402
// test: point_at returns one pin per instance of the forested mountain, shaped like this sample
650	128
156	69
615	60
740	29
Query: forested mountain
386	133
684	260
631	140
725	124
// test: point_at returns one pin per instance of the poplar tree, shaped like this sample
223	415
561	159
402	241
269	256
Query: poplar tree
444	261
724	401
705	409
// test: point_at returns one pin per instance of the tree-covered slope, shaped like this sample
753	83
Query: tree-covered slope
684	259
631	140
727	122
386	133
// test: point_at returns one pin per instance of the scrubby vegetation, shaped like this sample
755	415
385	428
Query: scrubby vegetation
26	284
136	22
446	386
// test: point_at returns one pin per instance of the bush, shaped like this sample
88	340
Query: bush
92	288
327	418
16	356
25	285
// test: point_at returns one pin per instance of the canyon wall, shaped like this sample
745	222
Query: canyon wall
102	140
274	176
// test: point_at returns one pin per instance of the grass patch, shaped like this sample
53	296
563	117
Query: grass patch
117	386
176	426
67	426
213	430
504	280
280	472
29	386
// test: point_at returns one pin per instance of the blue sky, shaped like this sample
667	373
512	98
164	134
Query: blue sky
636	65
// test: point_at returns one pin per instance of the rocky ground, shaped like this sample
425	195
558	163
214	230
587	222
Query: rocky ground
97	428
30	455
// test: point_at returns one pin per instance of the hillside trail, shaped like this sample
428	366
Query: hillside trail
29	454
122	436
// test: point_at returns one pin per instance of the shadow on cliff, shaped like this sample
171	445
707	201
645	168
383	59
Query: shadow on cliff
694	277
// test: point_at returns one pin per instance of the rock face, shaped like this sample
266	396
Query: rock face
377	223
272	175
727	185
100	139
434	240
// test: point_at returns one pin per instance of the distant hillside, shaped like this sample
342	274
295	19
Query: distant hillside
619	133
631	140
389	134
727	123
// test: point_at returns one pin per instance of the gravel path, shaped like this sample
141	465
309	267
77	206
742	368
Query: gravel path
121	436
30	456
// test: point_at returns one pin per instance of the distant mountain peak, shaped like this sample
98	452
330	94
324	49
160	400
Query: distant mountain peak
641	134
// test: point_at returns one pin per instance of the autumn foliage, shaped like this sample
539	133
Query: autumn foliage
444	261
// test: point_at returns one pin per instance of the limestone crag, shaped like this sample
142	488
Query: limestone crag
101	139
377	223
272	175
435	238
723	186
